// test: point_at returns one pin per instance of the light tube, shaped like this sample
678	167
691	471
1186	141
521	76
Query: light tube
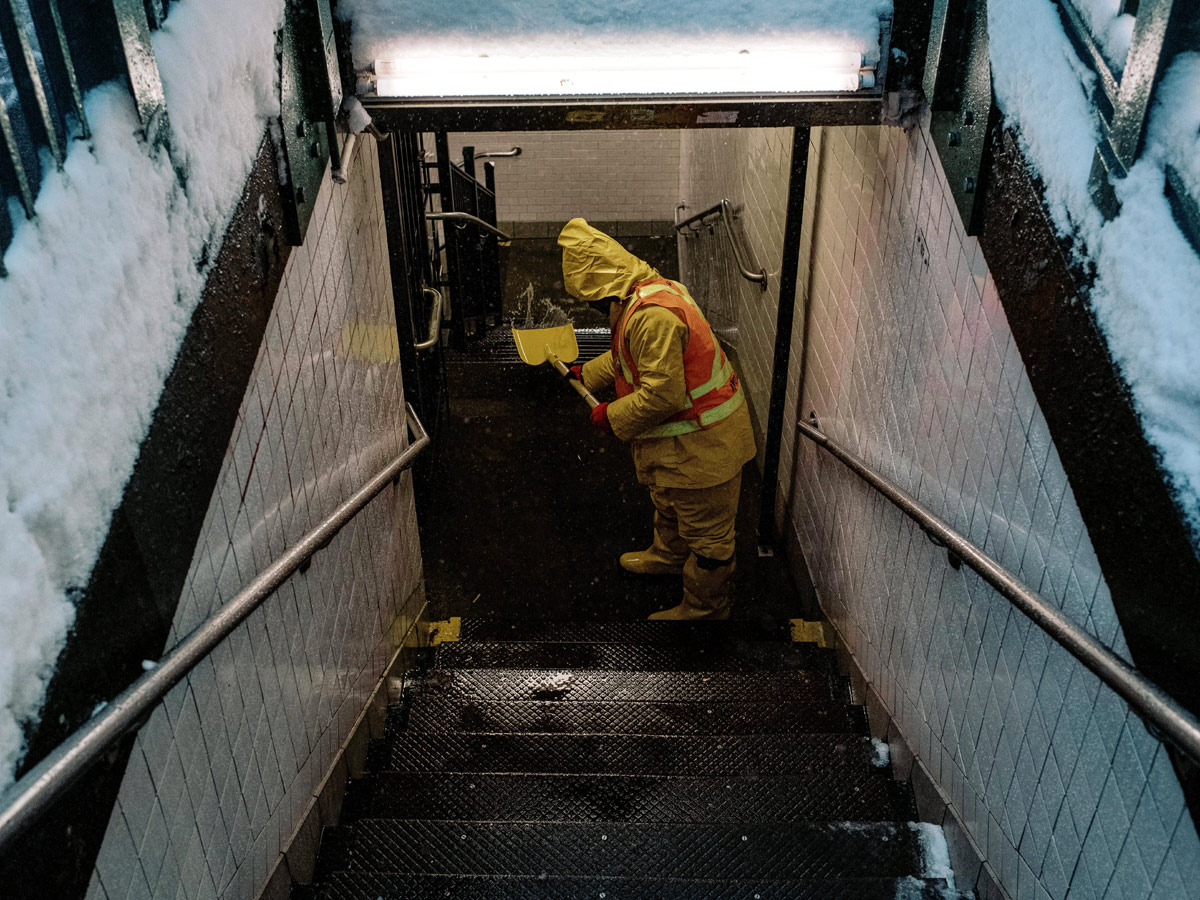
772	71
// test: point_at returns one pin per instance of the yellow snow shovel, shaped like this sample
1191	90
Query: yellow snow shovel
558	346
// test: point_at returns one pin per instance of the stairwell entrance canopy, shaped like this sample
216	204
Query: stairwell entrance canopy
512	54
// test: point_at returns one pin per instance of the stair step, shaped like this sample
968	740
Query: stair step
402	886
634	687
824	850
724	656
827	797
659	634
436	714
595	754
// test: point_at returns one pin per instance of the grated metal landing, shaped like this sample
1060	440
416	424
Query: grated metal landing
547	761
659	634
497	346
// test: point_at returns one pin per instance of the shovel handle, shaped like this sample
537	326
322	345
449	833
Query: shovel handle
562	370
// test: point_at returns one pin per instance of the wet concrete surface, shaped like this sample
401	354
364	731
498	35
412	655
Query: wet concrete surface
529	507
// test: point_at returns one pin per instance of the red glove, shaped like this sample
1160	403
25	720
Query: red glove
575	372
600	419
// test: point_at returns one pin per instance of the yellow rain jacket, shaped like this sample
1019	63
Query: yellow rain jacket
595	267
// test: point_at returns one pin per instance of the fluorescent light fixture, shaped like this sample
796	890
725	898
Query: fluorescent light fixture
775	71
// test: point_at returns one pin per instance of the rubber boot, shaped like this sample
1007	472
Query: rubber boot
665	555
707	588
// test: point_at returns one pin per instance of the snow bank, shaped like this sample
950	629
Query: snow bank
384	29
100	290
1111	30
1175	127
935	854
1041	83
1144	294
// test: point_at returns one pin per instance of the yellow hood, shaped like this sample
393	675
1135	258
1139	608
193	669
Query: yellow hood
595	266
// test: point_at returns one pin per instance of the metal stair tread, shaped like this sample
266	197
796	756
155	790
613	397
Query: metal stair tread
820	850
660	799
621	754
436	714
659	634
403	886
546	761
634	686
725	656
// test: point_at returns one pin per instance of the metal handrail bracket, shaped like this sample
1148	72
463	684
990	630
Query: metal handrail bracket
467	217
435	321
724	209
1158	709
26	800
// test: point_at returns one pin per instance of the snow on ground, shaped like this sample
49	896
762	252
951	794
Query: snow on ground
387	30
935	854
1176	130
100	290
881	753
1145	291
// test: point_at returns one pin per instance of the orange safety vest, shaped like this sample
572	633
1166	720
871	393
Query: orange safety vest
712	385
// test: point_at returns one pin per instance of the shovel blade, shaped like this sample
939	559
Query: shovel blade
536	344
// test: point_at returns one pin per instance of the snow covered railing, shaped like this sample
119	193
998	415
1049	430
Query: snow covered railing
31	797
1129	48
1162	714
38	41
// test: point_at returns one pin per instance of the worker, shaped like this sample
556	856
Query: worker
681	406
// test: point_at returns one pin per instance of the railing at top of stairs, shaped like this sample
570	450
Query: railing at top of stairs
28	799
1164	716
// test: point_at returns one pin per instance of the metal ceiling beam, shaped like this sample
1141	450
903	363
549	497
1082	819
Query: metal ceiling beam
635	112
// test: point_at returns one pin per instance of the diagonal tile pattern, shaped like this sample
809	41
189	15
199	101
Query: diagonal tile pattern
912	364
226	769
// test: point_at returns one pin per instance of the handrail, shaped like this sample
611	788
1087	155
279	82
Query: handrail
467	217
725	210
1158	709
497	154
431	155
435	321
28	799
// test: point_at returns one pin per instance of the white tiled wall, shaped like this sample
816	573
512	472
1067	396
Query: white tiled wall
913	366
749	167
606	176
226	768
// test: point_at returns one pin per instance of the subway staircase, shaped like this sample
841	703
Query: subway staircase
656	761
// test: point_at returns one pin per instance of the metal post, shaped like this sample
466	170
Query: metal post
64	85
31	93
767	537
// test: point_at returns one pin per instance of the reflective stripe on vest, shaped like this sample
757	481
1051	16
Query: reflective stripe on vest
707	418
721	375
